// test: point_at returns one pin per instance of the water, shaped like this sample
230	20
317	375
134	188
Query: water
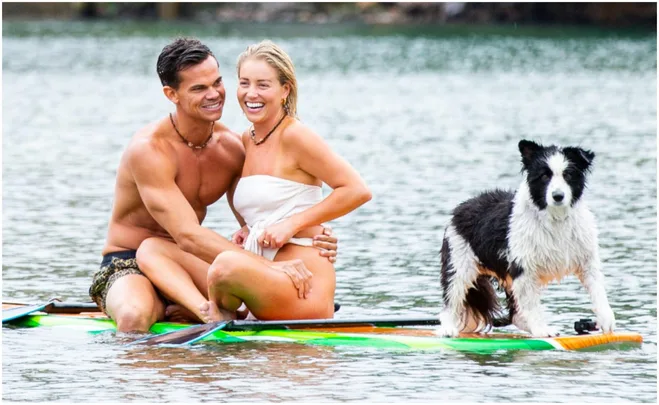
428	117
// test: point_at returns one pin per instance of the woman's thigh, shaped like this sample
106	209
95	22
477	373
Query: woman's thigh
271	294
159	255
323	282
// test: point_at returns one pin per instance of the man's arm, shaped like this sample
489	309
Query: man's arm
154	173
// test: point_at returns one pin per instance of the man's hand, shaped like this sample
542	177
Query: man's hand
326	243
239	237
299	274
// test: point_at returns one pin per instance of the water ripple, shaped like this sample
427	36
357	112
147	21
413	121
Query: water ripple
428	122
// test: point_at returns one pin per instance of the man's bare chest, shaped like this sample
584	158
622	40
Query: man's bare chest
204	180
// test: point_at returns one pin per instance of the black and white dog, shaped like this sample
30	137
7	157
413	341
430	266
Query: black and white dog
523	240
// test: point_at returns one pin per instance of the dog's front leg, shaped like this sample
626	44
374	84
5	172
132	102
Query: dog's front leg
530	315
593	280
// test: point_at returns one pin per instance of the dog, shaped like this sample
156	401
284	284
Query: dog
523	240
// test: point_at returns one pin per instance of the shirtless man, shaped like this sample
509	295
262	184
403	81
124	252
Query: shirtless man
171	171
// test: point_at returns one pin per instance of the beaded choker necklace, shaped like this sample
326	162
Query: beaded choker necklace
253	134
190	144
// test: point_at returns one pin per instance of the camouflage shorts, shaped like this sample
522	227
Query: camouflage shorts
114	266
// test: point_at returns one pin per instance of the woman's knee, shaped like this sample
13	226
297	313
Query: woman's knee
147	249
224	268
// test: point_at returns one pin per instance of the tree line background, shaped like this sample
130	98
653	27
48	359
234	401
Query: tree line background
638	15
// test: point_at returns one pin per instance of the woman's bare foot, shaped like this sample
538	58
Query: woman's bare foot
211	313
242	314
178	313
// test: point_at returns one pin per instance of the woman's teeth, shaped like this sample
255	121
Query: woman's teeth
254	105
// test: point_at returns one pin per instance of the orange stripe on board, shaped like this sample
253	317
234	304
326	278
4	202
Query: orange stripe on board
585	341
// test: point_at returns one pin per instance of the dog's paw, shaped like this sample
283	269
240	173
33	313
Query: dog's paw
543	331
606	321
447	331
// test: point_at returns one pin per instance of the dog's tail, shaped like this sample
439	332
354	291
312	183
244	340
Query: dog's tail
482	303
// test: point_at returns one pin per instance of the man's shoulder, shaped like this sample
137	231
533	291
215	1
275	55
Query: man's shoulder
228	137
148	142
223	130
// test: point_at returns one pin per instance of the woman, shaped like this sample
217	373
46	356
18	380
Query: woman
279	196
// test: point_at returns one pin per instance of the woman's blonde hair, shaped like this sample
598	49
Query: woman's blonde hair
274	56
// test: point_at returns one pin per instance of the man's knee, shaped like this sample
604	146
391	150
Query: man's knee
221	272
130	318
133	304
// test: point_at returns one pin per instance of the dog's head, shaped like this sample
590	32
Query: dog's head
556	177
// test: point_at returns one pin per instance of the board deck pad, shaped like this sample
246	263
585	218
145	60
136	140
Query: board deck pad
397	338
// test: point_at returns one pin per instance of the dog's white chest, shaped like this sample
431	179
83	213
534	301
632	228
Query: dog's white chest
549	247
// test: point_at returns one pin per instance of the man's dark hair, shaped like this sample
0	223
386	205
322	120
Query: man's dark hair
178	56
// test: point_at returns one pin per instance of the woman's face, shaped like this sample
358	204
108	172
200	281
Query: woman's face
259	91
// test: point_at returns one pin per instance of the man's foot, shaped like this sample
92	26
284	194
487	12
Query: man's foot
178	313
210	312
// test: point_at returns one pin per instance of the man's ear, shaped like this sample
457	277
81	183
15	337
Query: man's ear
171	94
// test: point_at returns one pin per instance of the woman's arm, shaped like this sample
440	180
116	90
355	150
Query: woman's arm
314	156
230	192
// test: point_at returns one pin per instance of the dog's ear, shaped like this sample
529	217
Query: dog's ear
528	149
582	158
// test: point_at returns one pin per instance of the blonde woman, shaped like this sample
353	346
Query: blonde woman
280	199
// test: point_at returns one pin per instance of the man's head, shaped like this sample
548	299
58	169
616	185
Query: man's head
191	79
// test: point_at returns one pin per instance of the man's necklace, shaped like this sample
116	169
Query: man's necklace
190	144
269	133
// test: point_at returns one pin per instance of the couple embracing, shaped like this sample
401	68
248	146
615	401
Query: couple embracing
160	262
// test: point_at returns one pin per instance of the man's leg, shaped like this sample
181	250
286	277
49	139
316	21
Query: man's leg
134	304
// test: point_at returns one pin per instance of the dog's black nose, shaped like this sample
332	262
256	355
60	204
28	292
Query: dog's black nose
558	196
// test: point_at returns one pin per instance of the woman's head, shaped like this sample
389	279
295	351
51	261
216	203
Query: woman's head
266	78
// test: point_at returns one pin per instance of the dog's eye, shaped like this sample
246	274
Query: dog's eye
545	177
567	176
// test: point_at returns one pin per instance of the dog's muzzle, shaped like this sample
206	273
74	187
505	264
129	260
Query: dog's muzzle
558	196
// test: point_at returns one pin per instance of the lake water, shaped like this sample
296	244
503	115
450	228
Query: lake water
429	117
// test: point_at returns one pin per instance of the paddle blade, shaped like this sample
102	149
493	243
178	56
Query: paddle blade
20	312
185	336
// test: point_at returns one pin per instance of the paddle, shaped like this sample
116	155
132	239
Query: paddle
384	322
52	307
20	312
183	337
195	333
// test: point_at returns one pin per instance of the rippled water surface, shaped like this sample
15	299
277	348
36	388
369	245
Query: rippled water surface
428	119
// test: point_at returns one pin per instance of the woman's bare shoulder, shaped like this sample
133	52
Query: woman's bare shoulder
297	134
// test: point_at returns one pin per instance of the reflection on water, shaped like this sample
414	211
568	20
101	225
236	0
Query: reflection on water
427	120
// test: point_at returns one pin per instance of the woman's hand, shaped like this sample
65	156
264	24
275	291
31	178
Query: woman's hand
276	236
240	236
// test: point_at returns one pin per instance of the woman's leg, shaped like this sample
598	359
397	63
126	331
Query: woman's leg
234	278
178	275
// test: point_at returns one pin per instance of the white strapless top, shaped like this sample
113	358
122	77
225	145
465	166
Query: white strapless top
264	200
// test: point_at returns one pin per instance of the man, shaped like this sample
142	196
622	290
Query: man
171	171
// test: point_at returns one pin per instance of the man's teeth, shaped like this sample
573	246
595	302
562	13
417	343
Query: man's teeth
254	105
216	105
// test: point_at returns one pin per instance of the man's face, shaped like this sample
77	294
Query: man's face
201	92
